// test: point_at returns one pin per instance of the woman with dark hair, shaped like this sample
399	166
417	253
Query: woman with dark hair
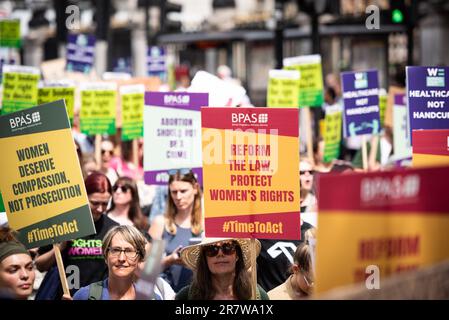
125	206
84	253
221	270
182	221
16	267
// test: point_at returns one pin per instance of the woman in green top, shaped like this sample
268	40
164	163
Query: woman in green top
220	270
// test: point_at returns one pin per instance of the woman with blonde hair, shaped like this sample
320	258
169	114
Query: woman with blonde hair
181	222
300	283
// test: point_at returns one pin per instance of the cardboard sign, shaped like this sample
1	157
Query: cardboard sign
132	101
283	89
401	139
361	103
428	97
172	124
98	108
382	105
50	91
80	52
10	33
251	175
389	222
19	88
430	148
311	81
41	181
332	133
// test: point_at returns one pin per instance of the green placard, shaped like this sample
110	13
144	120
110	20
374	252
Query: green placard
132	116
50	94
19	91
311	81
283	92
10	34
2	206
332	135
97	115
382	107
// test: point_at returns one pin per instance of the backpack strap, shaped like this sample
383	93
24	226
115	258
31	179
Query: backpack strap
95	290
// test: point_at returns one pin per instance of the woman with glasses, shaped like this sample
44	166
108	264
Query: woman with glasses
300	283
84	253
124	250
16	267
221	270
125	206
181	222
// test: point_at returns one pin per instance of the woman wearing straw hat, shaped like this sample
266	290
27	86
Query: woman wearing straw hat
220	270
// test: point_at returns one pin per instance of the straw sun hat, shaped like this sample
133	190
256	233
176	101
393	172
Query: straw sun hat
190	254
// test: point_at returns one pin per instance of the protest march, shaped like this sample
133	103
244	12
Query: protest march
198	166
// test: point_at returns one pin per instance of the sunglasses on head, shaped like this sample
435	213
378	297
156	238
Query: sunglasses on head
309	171
227	248
123	188
182	172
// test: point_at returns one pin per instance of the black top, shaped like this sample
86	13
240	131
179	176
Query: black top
275	258
86	254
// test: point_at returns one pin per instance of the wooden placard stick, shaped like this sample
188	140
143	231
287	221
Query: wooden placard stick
61	270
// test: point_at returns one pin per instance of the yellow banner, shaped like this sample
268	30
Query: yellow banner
351	243
43	178
251	184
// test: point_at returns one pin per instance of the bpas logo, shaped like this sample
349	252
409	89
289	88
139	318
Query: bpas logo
24	120
249	118
435	77
381	190
361	80
176	99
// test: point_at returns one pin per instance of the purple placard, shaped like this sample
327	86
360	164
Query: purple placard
80	52
399	99
178	100
160	177
361	103
156	61
428	97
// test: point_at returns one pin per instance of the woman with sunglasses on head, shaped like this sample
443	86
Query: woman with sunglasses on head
124	250
181	222
16	267
221	270
308	201
300	283
84	253
125	206
107	154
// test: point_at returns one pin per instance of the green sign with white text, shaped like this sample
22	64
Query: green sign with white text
283	89
19	88
50	94
10	34
311	80
332	134
98	111
132	116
